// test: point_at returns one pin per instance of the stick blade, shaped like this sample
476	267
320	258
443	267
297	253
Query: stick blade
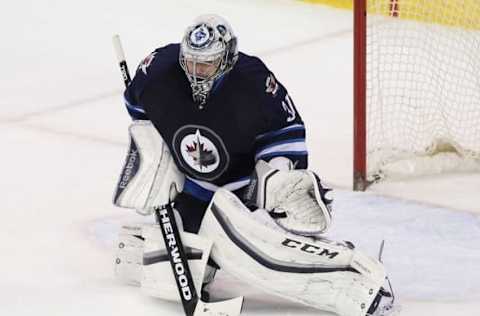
231	307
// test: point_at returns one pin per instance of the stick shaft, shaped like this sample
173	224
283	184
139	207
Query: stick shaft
117	46
177	258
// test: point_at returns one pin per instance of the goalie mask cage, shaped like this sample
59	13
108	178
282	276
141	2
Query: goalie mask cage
416	88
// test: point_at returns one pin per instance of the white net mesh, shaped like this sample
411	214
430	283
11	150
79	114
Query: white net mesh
423	80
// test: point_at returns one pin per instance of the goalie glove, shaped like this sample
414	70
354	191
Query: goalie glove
295	199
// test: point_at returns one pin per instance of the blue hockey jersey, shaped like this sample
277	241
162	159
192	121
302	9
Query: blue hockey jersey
248	116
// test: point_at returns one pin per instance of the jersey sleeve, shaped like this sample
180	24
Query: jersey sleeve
284	132
134	108
136	87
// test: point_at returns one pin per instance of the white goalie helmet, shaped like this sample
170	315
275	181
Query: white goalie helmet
208	51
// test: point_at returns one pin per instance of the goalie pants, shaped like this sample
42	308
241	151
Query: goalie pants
191	210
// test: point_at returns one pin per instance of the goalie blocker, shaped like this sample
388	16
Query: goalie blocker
149	172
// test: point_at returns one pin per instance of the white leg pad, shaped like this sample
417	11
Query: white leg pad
320	273
129	256
142	260
158	277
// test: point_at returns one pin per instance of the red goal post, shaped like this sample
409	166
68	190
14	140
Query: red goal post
359	96
416	87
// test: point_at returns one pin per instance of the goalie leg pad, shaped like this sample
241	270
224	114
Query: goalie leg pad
142	260
320	273
158	279
129	255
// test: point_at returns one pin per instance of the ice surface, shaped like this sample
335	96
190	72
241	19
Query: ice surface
63	134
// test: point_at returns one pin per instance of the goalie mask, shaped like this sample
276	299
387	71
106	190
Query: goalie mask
208	51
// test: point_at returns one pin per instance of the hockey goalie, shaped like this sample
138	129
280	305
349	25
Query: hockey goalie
217	140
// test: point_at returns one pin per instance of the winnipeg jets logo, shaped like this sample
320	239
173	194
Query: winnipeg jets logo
271	85
202	156
201	152
200	36
147	62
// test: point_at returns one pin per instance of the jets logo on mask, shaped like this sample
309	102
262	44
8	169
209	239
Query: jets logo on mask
201	152
200	36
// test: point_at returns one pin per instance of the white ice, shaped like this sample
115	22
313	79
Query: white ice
63	136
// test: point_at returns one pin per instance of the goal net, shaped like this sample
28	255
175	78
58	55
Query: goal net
422	86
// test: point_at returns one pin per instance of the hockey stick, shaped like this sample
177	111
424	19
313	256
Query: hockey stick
117	46
192	304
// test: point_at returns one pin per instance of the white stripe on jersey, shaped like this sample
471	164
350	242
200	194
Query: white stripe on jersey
134	107
281	131
299	146
232	186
